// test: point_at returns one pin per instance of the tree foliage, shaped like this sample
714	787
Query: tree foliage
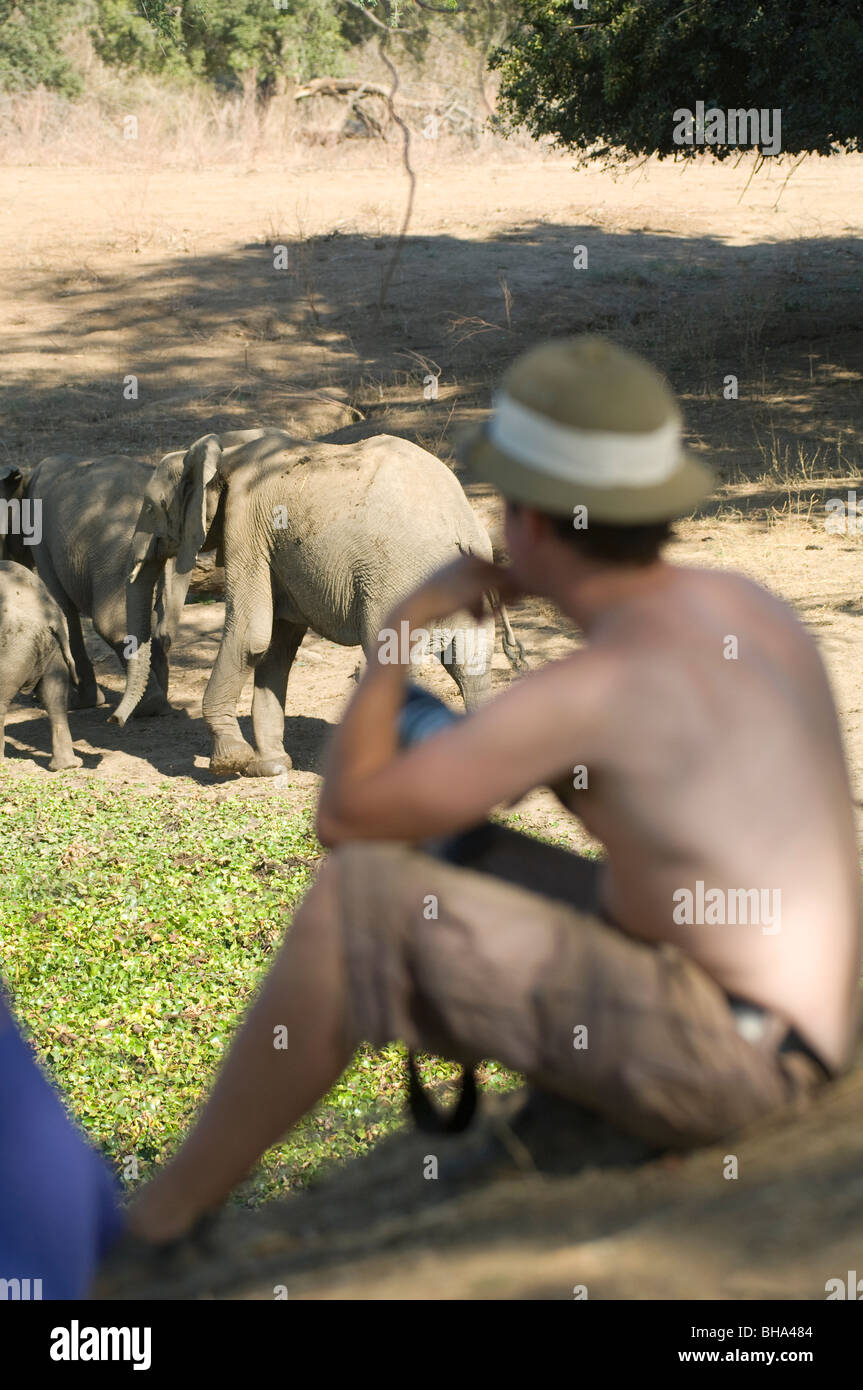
605	77
230	42
480	24
222	41
30	53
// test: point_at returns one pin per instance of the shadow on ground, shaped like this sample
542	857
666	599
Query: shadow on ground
225	340
544	1202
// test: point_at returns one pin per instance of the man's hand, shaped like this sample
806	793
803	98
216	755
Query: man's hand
463	584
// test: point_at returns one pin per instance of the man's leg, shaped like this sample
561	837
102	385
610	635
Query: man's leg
392	945
263	1089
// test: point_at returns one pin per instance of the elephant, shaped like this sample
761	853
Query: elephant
87	510
313	535
35	655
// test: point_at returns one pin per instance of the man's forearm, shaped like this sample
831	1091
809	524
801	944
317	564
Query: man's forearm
366	740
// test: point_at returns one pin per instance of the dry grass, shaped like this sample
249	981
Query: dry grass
131	119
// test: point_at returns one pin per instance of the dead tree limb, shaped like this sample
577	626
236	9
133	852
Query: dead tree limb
340	86
346	86
412	178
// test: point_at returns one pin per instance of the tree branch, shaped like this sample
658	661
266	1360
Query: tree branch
406	151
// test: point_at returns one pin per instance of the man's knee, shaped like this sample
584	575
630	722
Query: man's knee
374	861
353	874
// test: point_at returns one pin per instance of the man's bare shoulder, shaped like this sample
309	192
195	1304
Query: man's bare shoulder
569	688
765	615
732	587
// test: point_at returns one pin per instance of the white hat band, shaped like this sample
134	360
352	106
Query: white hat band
601	458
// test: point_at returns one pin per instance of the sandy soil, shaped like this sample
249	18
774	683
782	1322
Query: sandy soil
169	276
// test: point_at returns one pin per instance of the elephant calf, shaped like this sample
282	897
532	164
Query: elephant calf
314	535
87	510
35	655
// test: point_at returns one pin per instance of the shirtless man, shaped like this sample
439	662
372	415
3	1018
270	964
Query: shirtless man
707	972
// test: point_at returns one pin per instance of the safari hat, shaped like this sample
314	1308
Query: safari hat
579	421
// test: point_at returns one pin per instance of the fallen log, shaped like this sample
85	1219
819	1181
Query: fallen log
340	86
347	86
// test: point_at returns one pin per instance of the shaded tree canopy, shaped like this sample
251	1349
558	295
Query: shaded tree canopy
605	77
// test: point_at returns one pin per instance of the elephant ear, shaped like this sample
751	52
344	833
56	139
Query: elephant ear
199	489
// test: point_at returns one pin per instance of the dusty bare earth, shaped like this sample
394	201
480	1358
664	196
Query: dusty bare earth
170	277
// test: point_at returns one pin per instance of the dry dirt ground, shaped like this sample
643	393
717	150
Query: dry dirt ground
169	277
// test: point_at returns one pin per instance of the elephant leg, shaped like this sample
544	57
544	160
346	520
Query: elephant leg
16	675
171	593
268	704
243	645
87	694
467	660
53	693
159	665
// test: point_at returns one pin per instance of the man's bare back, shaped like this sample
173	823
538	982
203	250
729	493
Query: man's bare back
701	712
718	763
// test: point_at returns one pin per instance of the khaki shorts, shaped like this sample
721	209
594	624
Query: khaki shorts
471	964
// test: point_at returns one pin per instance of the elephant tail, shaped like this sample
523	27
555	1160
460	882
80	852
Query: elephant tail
512	647
60	633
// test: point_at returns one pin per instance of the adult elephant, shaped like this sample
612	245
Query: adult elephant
313	535
82	514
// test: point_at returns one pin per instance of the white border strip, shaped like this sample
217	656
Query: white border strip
598	457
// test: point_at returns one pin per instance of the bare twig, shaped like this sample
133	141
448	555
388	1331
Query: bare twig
428	364
387	28
755	168
787	177
468	326
507	298
406	156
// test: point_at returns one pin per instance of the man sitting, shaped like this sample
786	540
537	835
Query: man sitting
706	972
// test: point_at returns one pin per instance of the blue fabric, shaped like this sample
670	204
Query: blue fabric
423	714
59	1209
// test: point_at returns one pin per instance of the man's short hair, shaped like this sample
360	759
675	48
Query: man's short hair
614	544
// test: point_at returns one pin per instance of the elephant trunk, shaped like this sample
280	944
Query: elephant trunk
137	678
139	609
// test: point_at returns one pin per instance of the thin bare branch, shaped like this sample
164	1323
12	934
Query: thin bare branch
412	178
755	168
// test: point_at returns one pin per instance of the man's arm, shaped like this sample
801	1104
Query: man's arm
450	781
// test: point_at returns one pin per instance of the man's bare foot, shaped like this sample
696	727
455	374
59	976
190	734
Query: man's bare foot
157	1219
